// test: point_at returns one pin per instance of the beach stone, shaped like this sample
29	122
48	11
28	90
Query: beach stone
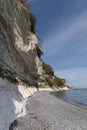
46	112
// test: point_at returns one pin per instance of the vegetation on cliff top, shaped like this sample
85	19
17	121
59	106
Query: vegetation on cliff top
48	69
59	82
39	52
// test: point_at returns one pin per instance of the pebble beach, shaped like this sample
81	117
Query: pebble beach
46	112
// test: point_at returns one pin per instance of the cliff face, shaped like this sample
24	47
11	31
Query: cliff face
18	53
20	61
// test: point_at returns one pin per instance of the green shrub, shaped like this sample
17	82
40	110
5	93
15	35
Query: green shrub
59	82
50	83
48	69
39	52
33	22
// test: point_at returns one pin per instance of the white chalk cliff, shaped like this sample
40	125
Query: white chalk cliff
18	53
18	59
21	68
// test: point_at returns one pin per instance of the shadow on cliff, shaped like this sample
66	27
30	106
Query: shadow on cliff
11	103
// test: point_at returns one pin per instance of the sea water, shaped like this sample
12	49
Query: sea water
76	97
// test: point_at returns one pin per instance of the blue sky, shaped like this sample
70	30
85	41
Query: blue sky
62	25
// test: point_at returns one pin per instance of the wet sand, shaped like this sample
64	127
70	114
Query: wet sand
46	112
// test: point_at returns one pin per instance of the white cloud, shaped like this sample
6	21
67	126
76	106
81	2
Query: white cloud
56	42
76	76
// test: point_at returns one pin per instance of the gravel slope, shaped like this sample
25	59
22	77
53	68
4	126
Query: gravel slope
46	112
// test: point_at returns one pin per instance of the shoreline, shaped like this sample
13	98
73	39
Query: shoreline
46	112
67	101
